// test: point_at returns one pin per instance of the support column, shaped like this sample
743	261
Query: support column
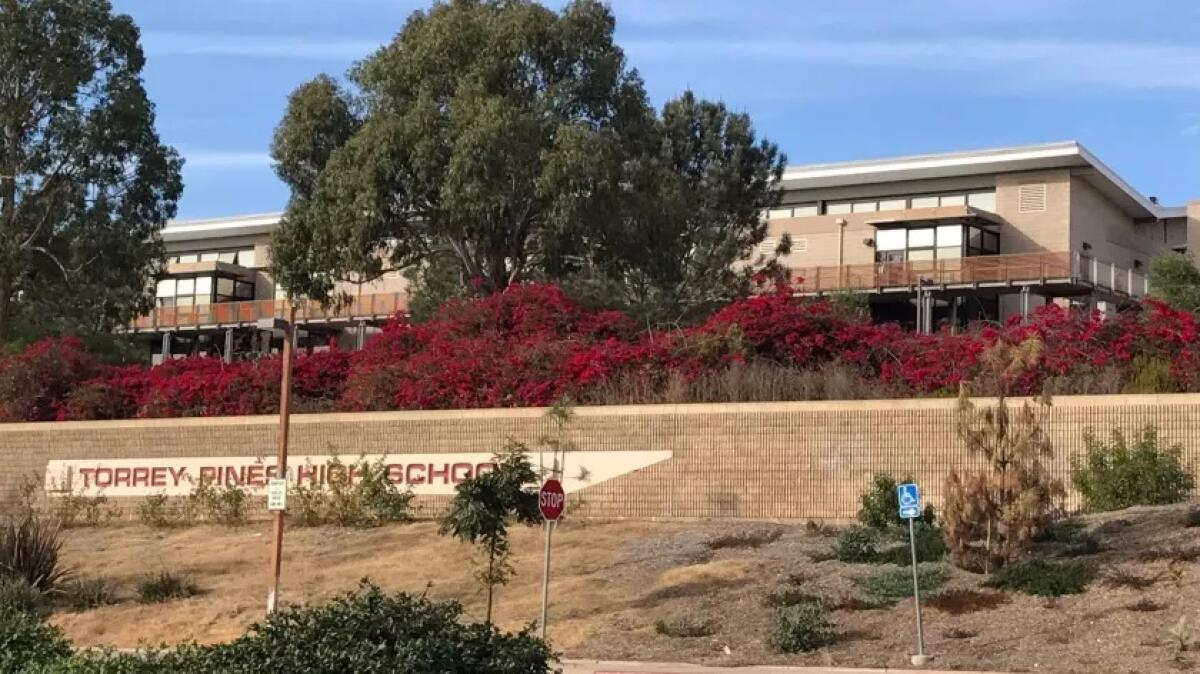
228	345
360	336
166	347
264	340
1024	302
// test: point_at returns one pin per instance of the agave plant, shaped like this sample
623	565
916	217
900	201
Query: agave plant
29	551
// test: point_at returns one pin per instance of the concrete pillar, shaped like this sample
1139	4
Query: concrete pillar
360	335
166	346
228	345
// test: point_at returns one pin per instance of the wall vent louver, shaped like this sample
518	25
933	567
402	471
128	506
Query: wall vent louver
1031	198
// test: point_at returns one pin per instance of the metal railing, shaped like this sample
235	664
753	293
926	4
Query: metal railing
245	313
983	269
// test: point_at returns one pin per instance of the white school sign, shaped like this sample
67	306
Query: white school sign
424	474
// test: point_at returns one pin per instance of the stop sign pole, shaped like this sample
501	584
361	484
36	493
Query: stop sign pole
551	502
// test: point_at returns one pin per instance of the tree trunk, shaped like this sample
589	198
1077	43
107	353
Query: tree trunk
5	305
491	578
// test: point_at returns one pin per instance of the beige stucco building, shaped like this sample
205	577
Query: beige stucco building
979	235
930	239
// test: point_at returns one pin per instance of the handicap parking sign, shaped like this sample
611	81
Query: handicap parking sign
910	501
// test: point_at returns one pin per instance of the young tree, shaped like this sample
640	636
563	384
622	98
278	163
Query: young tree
1174	279
990	516
498	142
85	184
485	505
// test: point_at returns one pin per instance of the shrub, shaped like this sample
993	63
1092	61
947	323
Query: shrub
1043	578
226	505
26	643
687	625
156	512
1192	518
18	595
897	583
84	594
34	383
358	495
929	541
880	507
369	632
801	628
29	551
857	545
73	510
165	586
1119	474
1151	374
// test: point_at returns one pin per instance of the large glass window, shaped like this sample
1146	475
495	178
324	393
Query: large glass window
921	238
985	201
838	207
924	202
891	239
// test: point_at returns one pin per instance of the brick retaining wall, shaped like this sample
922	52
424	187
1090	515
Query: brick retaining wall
787	461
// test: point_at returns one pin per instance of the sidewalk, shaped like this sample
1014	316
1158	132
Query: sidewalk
603	667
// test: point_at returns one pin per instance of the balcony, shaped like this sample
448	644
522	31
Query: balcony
246	314
1067	273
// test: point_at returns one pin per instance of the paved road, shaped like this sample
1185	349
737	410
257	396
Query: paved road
595	667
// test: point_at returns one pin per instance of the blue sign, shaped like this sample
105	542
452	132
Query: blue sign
910	501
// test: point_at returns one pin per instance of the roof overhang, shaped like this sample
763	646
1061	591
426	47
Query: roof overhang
220	228
1070	155
942	215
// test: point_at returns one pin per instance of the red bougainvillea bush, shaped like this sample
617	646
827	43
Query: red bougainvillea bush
532	345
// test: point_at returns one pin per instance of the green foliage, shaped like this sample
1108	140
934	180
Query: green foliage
897	583
366	632
73	510
26	643
83	176
165	586
857	545
494	143
1174	279
1119	474
18	595
1152	375
685	626
225	505
928	538
880	505
1042	577
29	551
159	511
84	594
801	628
484	506
358	495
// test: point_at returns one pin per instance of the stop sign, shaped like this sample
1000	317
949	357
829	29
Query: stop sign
551	500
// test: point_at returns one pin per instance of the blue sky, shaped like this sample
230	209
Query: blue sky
827	81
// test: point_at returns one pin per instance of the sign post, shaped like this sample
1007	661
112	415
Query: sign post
910	509
551	502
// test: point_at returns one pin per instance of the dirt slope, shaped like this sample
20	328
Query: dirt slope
612	581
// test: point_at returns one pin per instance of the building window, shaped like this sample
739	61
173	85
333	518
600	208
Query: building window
804	211
891	239
984	201
924	202
838	207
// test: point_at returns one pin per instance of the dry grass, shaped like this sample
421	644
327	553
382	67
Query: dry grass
612	582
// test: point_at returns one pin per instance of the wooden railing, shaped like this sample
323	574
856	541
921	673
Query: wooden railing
984	269
245	313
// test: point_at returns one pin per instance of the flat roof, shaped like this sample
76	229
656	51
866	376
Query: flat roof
1066	154
217	228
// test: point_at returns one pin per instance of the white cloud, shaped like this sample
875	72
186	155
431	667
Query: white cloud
185	43
1191	130
223	159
